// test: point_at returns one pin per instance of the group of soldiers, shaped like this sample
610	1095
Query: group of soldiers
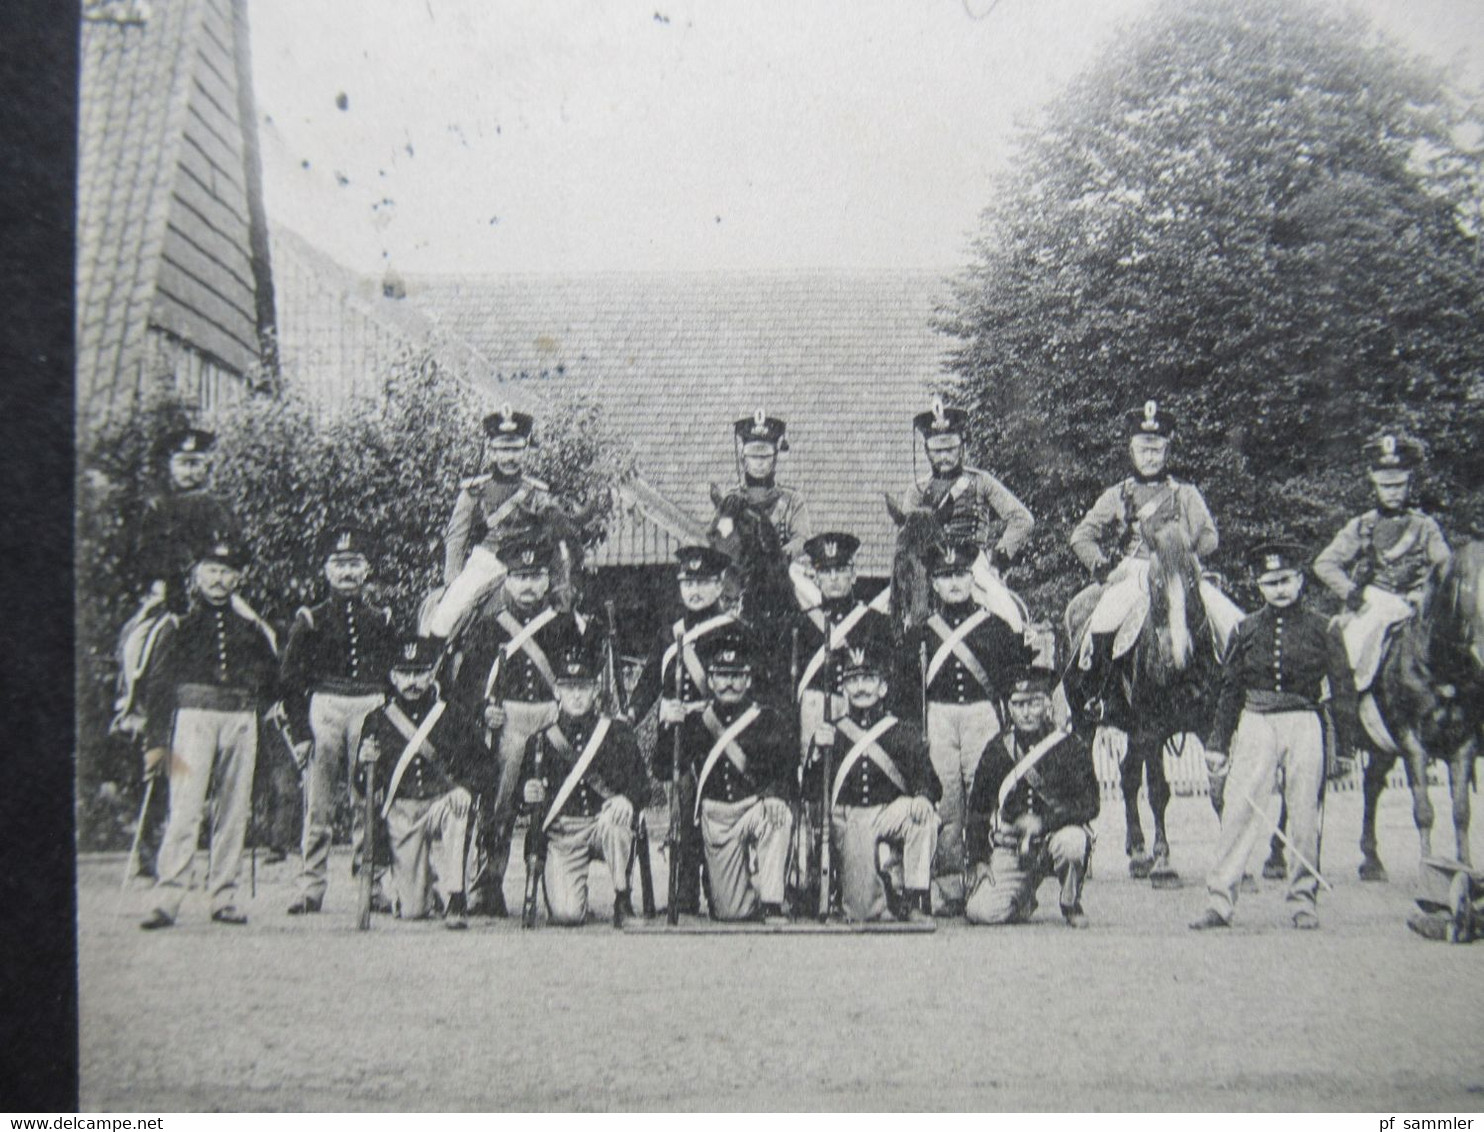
877	775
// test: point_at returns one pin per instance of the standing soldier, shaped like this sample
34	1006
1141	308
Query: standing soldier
505	675
212	672
1030	814
427	749
489	507
588	768
969	653
676	655
334	675
1128	514
1382	563
882	795
1268	729
761	439
967	502
741	753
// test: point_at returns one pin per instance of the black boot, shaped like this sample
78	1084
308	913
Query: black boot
456	918
623	908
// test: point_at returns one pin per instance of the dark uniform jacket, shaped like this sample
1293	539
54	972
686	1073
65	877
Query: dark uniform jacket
657	678
1062	788
873	628
769	744
174	528
210	655
998	648
866	784
1283	655
520	677
342	646
456	757
617	768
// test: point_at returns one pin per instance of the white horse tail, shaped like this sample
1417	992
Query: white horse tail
1180	646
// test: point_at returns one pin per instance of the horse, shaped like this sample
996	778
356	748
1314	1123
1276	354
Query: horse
1429	696
1164	686
919	532
757	583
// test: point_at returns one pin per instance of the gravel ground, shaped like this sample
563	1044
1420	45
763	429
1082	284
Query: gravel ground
1136	1013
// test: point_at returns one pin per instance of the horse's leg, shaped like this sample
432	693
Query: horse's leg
1415	760
1161	873
1276	867
1131	776
1460	776
1377	767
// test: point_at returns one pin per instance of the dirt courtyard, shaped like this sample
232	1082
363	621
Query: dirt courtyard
1136	1013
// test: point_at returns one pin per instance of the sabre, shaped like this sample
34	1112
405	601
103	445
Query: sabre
1283	837
149	790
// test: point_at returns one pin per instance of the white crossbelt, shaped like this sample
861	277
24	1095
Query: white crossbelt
589	752
414	744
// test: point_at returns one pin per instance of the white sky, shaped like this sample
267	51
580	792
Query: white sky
571	135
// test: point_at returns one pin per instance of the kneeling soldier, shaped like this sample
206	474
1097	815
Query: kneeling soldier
882	795
1268	719
588	766
742	753
1035	793
426	746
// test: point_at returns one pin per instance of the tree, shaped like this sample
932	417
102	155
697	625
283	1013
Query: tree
1252	211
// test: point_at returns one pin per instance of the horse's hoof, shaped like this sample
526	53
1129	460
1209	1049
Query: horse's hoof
1274	868
1139	867
1165	878
1248	884
1373	870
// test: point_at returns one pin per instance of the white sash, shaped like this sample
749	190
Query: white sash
866	744
953	643
419	737
725	744
518	640
834	639
1024	766
589	752
688	639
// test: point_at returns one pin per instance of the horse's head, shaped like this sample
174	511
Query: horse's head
918	531
741	531
1177	618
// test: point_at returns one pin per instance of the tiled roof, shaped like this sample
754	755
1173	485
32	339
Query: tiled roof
845	358
164	221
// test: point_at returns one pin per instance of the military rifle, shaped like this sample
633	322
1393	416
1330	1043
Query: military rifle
795	866
368	851
618	705
277	719
674	835
535	847
826	778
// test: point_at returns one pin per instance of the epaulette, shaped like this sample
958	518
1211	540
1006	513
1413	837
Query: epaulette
475	481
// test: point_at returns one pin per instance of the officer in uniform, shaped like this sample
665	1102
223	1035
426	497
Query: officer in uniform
741	753
333	676
1268	738
1030	814
1381	563
967	501
676	655
969	654
585	781
213	670
506	675
761	439
425	749
1126	515
882	795
488	508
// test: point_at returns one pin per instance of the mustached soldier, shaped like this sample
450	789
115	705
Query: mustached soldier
588	768
741	754
882	796
334	675
1381	563
211	673
1034	798
506	675
676	655
426	750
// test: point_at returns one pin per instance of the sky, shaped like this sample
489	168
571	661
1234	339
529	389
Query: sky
495	136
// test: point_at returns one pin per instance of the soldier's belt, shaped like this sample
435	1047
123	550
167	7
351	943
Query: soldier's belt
340	686
1266	702
215	697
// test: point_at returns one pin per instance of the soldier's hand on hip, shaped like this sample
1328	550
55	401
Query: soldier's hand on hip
494	716
777	812
920	810
672	712
535	792
619	810
154	761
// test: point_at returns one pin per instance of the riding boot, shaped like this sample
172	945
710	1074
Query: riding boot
1085	684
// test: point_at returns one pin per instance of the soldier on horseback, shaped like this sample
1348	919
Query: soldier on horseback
1126	515
760	439
967	501
489	507
1382	563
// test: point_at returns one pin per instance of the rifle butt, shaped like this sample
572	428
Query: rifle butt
368	854
646	870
